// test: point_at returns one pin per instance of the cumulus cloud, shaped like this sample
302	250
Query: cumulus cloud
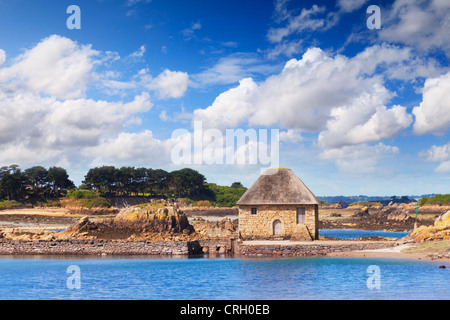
44	114
342	98
438	154
2	57
141	148
170	84
359	159
230	107
290	136
365	120
424	25
56	66
433	114
32	125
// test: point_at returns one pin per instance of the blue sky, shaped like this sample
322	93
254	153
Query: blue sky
359	110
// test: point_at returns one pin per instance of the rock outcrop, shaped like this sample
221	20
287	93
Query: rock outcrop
162	222
439	231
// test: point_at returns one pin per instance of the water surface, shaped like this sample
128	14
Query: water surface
222	278
356	233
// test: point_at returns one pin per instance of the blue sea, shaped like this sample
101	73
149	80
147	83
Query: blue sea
222	278
356	233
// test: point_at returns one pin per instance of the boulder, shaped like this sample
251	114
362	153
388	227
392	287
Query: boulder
439	231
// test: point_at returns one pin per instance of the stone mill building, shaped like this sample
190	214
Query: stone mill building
278	206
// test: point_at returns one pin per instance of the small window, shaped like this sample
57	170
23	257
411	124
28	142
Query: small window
254	211
300	215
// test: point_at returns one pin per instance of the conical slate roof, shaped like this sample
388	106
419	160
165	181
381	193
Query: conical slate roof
278	186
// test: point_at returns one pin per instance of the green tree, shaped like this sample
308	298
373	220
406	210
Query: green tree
237	185
12	183
187	182
59	180
37	180
102	179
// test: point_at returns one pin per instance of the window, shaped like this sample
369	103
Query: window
254	211
300	215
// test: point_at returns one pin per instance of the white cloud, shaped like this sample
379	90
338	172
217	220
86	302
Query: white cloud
2	57
233	68
359	159
230	107
306	20
286	48
33	124
170	84
343	99
290	136
138	53
433	114
365	120
42	119
141	148
134	2
56	66
189	33
350	5
438	154
424	25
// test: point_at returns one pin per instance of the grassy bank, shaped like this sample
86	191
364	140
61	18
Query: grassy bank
439	199
11	204
437	246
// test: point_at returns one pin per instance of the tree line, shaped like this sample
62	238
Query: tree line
33	184
110	181
38	184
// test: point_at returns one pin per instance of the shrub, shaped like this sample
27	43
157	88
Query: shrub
82	194
10	204
366	204
87	199
439	199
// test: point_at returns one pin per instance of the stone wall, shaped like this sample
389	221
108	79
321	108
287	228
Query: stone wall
98	247
312	249
260	226
203	246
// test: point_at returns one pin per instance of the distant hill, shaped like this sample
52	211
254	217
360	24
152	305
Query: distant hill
364	198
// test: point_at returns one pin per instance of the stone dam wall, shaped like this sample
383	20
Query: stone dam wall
314	249
99	247
205	246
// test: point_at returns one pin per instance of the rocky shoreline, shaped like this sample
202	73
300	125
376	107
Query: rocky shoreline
164	230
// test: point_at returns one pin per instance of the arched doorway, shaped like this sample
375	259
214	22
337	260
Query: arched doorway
277	228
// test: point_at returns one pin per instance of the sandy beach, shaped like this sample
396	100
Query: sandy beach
393	252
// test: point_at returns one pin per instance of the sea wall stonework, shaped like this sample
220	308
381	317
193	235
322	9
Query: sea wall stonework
261	225
98	247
